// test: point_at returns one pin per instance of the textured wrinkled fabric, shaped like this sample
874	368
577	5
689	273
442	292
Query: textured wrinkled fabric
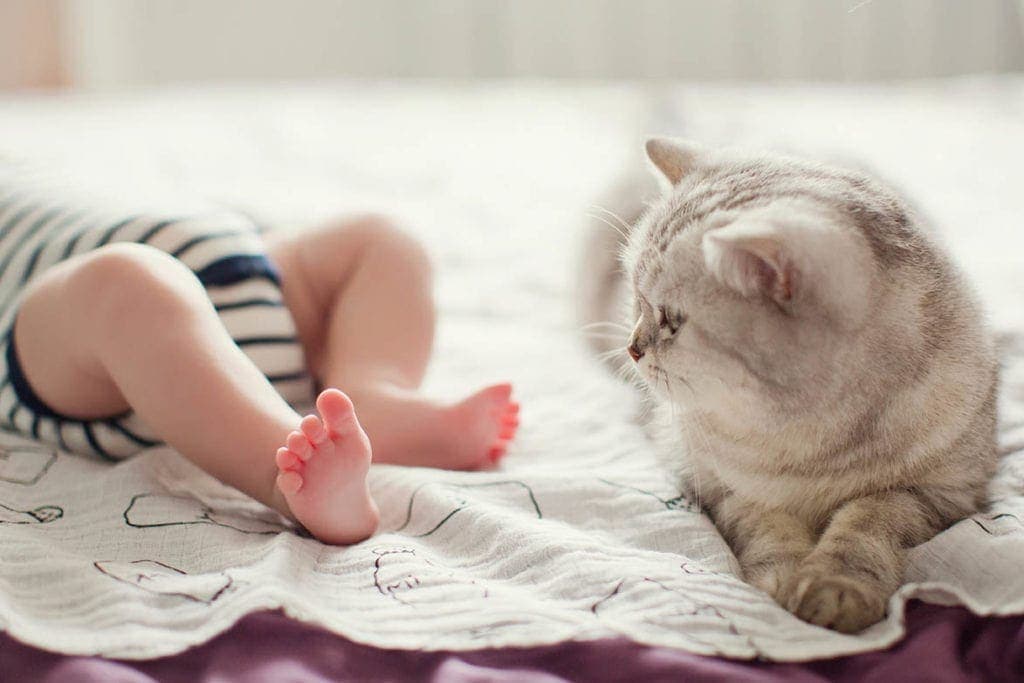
943	644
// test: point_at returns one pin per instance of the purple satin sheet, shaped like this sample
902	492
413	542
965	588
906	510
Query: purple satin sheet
944	644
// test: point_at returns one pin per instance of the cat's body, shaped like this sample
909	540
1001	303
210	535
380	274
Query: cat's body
827	381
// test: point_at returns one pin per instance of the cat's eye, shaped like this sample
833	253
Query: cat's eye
670	320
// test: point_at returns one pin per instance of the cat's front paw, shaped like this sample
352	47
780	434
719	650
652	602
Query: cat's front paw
770	577
836	601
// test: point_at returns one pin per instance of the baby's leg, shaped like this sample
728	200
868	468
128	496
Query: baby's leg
372	285
129	326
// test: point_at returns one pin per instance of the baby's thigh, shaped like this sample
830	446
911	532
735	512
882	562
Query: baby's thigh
65	314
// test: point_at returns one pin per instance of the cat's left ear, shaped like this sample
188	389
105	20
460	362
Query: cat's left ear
673	157
751	257
791	256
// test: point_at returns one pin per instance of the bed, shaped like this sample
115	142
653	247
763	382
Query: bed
577	559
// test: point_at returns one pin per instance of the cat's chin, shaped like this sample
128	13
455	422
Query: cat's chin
679	397
665	386
658	383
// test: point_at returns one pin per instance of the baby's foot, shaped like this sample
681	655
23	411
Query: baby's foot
323	473
408	429
479	428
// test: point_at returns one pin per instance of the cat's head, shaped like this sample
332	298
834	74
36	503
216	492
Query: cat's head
762	284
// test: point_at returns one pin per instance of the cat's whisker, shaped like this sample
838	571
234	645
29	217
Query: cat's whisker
611	225
608	355
606	323
603	335
625	225
624	372
620	254
673	403
627	372
605	210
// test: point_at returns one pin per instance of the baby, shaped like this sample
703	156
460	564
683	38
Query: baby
126	331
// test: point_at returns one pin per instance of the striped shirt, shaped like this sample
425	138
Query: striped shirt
223	249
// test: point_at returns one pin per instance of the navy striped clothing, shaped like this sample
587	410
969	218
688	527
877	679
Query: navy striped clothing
225	252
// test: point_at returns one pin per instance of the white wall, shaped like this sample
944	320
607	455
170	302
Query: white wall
128	42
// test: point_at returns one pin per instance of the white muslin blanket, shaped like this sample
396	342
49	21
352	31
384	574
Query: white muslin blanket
579	534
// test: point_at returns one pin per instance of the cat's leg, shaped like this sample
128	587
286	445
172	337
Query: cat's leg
846	582
768	543
361	293
128	326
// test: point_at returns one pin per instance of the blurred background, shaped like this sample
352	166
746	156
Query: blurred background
118	44
492	129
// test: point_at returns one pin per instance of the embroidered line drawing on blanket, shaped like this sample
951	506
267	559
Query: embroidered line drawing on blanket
487	630
998	524
163	579
405	576
425	515
44	514
399	572
679	502
149	510
630	599
25	465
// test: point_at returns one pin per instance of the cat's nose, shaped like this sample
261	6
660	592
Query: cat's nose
634	351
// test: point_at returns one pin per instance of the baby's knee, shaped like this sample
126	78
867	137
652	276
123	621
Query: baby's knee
386	240
127	281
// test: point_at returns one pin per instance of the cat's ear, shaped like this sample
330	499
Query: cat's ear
791	254
672	157
752	258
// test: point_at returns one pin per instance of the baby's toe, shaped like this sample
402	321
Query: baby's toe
289	482
313	429
286	460
338	413
299	445
496	451
505	411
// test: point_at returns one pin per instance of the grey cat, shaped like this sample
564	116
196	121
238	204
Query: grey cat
827	380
